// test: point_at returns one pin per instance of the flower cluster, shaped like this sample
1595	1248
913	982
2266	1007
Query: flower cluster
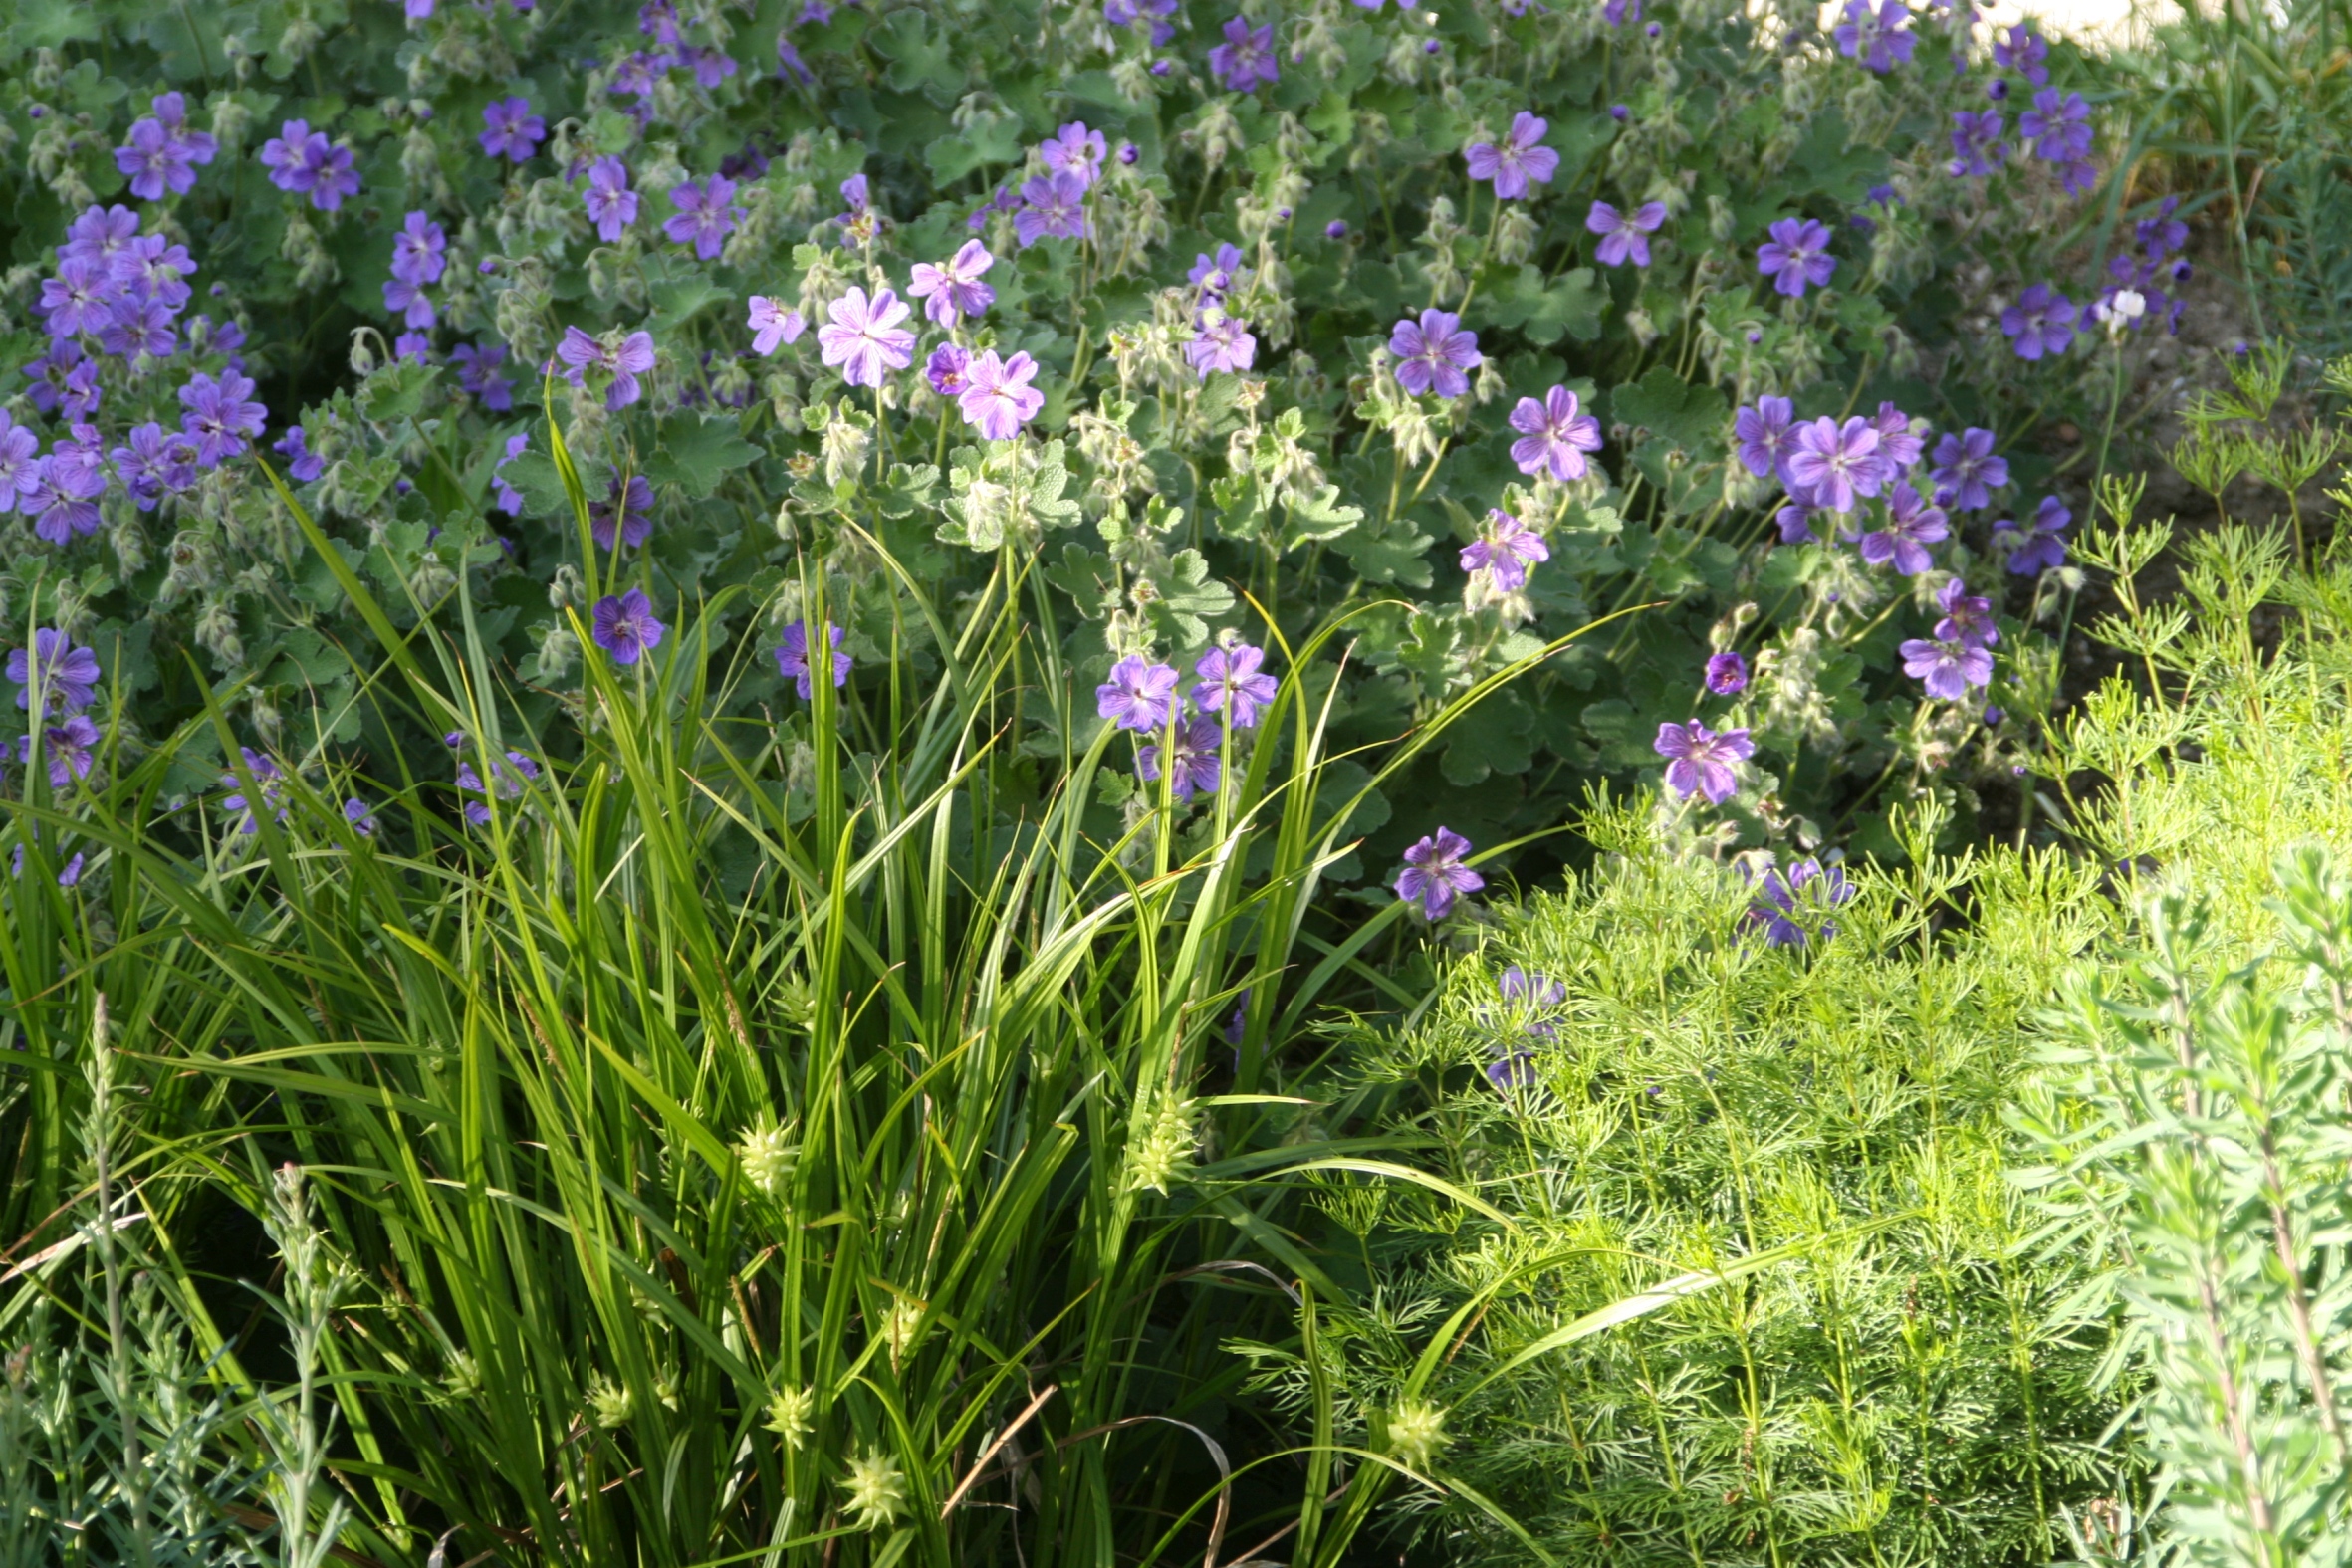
1232	692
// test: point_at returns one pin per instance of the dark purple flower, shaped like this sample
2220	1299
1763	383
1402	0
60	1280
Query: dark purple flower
1434	874
67	747
1336	229
1193	761
301	462
705	217
611	205
1766	435
624	626
1139	695
1807	891
1911	527
1434	353
420	250
511	130
1726	674
1797	256
1977	148
1835	464
1553	435
1947	669
1624	236
154	463
1221	344
2038	546
1699	759
2023	51
1519	158
220	415
625	515
477	373
1505	551
792	658
1232	682
710	65
66	675
1246	58
952	290
945	368
1878	38
1620	112
1966	467
1054	207
1967	617
2041	322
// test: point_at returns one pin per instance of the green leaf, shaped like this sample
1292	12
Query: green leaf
697	452
1090	580
919	62
1496	737
1319	517
534	474
1239	501
907	489
52	23
1394	553
1187	598
395	393
1689	416
990	139
1571	304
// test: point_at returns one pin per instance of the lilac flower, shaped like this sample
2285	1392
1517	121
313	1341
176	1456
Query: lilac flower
1139	695
854	191
1807	888
67	675
154	463
1977	148
361	815
997	400
1434	874
1216	276
20	463
774	325
1505	551
1726	674
1967	617
136	326
611	205
1234	683
1221	344
1076	149
947	367
792	658
1246	58
420	250
80	299
1519	158
1434	353
1623	236
67	747
220	415
710	65
1797	255
1898	447
153	267
1553	435
1947	669
286	155
511	130
303	464
582	354
1911	527
416	347
2041	322
1052	208
1967	467
2023	52
1878	38
624	516
2058	126
2036	547
1618	12
408	298
100	233
865	338
705	219
1699	759
1835	464
952	290
1193	761
789	63
163	151
477	373
508	779
509	499
625	627
1766	435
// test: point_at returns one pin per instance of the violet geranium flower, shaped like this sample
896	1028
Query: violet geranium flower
1076	149
1221	344
1139	695
1911	527
792	658
1233	682
1624	235
624	626
1726	674
1807	889
1054	207
2036	547
1434	874
1246	58
1797	256
1967	617
997	400
220	415
1977	148
1518	159
2041	322
582	354
67	747
1968	470
511	130
865	338
420	250
1505	551
1766	435
773	325
952	290
1947	669
705	215
946	369
1192	763
1836	463
66	676
1879	39
1553	435
611	205
624	516
1699	759
1434	353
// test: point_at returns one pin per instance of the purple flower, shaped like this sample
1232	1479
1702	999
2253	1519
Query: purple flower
952	290
774	325
420	250
625	515
1807	889
1967	617
2036	547
792	658
20	463
1520	159
80	299
100	233
997	400
1139	695
705	219
1699	760
1977	148
1835	463
1234	683
1947	669
1623	236
611	205
1967	467
154	463
219	414
287	155
511	130
865	338
946	369
509	499
1797	255
67	675
1054	207
506	780
1434	353
1898	448
1618	12
1911	527
1434	874
2058	126
1246	58
136	326
1215	276
1221	343
1553	435
153	267
361	815
2023	52
1766	435
854	191
301	462
2041	322
1076	149
163	151
67	747
1726	674
1193	762
477	372
1879	39
1505	551
416	348
789	63
582	354
268	783
625	627
416	311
